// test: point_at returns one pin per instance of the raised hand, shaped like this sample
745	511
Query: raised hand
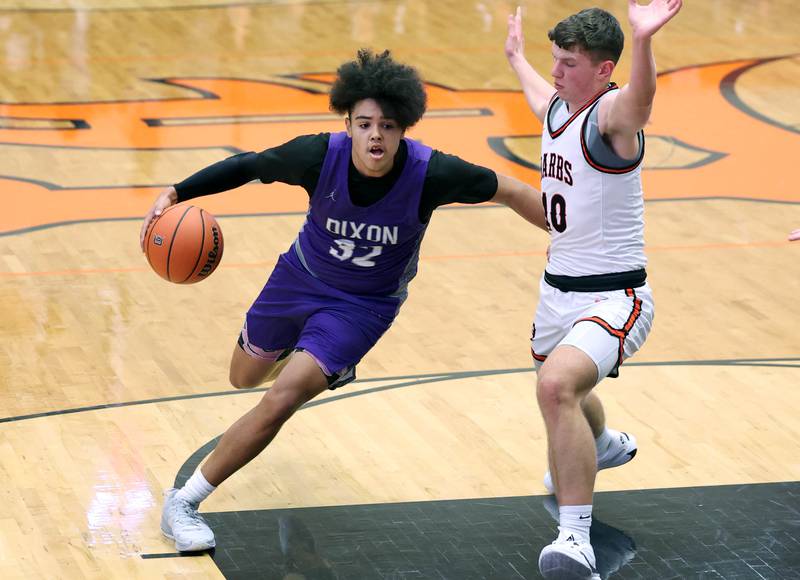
515	41
647	19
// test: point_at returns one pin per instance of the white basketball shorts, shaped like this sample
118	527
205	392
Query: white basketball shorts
608	326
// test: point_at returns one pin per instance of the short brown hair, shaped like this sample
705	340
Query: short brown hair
595	31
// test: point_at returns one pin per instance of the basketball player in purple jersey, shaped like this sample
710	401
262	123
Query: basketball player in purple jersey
595	306
339	286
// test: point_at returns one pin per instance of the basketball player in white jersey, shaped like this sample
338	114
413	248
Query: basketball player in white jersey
595	307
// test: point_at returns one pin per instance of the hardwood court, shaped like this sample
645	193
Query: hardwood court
113	383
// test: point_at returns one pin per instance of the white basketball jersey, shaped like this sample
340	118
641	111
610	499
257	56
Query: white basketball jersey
592	198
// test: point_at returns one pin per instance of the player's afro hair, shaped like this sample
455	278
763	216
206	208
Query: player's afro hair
396	87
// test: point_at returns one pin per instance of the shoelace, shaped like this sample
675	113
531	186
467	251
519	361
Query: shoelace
186	514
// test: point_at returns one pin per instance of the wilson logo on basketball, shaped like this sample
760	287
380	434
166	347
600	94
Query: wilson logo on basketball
212	255
112	158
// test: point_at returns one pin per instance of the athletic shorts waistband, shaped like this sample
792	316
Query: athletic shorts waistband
597	282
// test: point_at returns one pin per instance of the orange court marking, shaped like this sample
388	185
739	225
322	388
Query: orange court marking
690	107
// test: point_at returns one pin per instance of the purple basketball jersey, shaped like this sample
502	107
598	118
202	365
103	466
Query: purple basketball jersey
370	250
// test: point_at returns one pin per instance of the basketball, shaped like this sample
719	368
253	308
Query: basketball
184	244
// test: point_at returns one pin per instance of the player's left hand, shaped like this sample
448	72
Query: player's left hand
794	236
648	19
515	40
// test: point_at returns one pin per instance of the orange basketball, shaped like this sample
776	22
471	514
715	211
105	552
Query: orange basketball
184	244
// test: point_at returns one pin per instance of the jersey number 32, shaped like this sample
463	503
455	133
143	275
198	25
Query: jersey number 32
345	250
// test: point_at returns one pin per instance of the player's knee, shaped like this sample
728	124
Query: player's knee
554	392
243	380
280	404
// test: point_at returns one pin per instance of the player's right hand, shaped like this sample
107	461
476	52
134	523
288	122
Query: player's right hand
165	199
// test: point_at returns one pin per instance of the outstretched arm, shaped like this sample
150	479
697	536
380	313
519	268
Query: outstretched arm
522	198
630	111
221	176
537	90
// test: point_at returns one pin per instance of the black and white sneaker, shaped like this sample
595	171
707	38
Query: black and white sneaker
613	548
569	557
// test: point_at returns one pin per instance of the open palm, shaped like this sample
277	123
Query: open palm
646	20
515	41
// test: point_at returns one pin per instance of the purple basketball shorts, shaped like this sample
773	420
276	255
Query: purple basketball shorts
296	311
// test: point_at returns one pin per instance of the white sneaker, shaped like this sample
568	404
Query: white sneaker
620	452
569	557
612	547
181	522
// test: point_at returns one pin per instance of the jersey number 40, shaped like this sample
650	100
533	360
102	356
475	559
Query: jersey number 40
556	216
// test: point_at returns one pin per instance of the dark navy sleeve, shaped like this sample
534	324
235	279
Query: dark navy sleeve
297	162
450	179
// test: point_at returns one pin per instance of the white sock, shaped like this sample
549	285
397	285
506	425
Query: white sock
196	489
577	519
604	441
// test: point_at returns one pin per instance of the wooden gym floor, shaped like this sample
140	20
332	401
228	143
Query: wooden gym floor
113	383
